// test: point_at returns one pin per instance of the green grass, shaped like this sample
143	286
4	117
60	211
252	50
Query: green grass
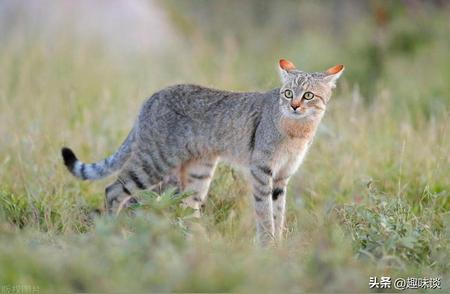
371	199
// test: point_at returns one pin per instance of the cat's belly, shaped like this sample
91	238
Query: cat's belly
238	161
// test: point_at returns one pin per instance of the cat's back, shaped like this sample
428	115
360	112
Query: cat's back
192	99
190	91
193	94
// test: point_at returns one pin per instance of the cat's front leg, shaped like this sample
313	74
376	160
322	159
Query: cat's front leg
261	176
279	205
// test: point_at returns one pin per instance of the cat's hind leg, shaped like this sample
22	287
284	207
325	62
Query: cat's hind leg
195	177
141	172
117	196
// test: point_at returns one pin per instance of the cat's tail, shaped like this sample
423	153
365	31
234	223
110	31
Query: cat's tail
99	169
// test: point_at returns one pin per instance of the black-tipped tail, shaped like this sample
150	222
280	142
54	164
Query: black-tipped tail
69	158
99	169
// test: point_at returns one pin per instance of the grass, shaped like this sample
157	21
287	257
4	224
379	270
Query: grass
371	199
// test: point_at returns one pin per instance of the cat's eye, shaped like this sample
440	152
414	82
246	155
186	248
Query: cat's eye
308	96
288	94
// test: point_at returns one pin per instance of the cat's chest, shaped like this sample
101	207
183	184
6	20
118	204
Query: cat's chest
297	136
289	154
295	129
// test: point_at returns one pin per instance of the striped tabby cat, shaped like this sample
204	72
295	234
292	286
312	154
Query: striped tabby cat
182	132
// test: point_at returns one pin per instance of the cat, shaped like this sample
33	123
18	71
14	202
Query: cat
182	131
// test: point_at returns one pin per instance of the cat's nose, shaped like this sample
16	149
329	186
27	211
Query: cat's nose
295	105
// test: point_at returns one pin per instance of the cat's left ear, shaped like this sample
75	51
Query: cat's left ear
332	74
285	66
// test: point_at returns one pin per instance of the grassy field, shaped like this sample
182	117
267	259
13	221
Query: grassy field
371	199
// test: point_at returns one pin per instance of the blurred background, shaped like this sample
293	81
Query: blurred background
372	197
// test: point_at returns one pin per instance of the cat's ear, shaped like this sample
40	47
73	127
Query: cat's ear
332	74
285	66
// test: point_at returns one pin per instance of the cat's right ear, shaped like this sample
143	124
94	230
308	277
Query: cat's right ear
333	73
285	66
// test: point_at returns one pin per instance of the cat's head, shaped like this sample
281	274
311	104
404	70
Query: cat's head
305	95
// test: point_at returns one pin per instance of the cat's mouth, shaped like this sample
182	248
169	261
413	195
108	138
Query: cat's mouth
298	112
301	114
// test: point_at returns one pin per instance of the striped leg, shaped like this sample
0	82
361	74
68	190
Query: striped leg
279	205
116	195
262	192
170	181
195	176
141	172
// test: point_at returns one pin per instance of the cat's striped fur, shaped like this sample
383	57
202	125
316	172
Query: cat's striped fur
183	131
